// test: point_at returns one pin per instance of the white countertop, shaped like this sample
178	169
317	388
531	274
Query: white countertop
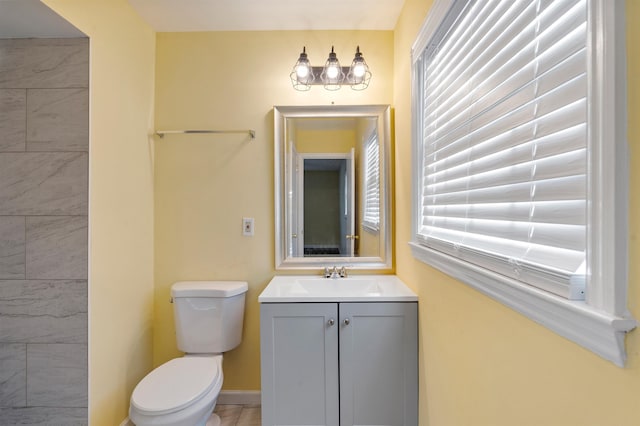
356	288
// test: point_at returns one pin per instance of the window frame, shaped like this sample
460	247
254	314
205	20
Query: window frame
371	140
600	322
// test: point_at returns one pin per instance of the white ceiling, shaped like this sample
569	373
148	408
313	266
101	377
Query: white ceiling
31	18
262	15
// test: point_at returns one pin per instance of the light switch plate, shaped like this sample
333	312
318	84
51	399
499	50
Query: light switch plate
247	226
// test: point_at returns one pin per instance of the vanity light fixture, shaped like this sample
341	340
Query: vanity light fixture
302	74
359	74
332	76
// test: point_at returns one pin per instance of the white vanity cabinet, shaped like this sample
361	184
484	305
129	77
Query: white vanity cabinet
338	363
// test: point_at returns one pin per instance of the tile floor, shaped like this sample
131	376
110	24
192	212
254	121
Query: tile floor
239	415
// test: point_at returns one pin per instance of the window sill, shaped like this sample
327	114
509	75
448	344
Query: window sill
598	331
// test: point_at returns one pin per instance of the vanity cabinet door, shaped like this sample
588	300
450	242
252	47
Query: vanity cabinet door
299	362
378	364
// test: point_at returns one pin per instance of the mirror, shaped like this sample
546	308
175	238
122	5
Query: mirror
332	186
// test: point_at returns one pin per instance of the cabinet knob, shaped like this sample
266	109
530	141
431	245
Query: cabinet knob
331	322
346	321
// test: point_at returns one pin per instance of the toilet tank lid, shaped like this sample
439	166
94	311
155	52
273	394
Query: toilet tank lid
208	288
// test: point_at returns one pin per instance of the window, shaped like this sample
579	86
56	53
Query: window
371	215
519	173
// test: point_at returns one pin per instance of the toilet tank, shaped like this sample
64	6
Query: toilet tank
208	315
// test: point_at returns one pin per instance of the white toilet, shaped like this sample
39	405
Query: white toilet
184	391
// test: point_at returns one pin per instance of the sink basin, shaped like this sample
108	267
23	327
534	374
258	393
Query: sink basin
358	288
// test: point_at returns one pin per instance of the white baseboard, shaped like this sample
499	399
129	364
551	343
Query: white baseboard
226	398
239	398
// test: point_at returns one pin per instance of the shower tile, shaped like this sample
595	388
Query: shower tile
43	311
13	118
12	247
58	120
54	183
13	375
50	63
56	375
44	416
56	247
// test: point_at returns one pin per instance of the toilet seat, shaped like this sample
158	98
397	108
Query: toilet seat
177	384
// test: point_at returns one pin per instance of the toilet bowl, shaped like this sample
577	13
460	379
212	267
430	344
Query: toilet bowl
180	392
184	391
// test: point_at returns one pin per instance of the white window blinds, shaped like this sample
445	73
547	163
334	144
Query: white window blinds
503	90
371	216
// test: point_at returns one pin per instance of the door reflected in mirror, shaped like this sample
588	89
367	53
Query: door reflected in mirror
331	163
326	221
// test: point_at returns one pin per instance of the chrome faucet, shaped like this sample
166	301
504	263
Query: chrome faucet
335	272
330	273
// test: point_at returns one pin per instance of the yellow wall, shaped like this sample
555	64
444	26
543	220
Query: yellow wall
206	184
482	363
122	50
325	140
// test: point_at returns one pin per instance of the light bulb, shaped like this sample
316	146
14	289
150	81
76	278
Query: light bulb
358	70
302	71
332	72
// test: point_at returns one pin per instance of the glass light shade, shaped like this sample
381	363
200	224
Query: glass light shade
359	74
302	74
332	75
